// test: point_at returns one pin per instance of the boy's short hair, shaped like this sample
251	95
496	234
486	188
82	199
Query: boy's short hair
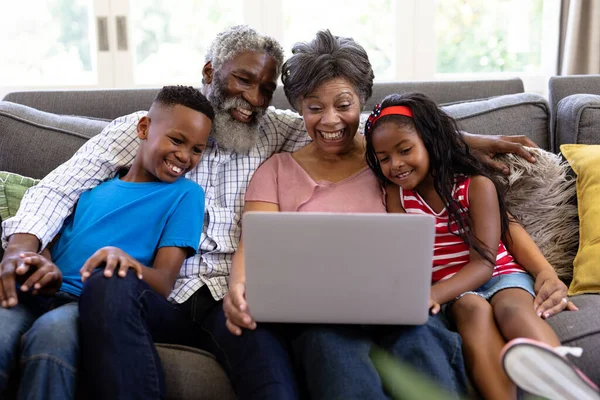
187	96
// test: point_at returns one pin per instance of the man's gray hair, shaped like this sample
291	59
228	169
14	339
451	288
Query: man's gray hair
326	57
241	38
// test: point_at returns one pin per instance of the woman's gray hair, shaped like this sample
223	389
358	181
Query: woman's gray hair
326	57
238	39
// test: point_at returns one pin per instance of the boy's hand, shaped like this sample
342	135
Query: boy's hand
236	309
47	277
551	295
113	258
434	306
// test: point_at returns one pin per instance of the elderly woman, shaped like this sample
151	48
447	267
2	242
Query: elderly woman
328	81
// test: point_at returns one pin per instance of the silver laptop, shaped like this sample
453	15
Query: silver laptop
338	268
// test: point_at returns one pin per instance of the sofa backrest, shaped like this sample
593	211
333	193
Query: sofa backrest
560	87
112	103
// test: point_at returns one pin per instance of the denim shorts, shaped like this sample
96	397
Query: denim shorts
521	280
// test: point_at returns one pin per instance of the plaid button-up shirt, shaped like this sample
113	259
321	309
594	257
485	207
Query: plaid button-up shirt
224	175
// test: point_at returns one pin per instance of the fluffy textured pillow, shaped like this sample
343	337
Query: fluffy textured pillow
12	189
585	161
541	196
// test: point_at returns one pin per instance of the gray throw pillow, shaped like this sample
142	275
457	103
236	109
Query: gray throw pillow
33	142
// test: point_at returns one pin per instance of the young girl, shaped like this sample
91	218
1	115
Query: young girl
416	150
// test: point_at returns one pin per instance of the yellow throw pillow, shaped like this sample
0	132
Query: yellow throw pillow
585	161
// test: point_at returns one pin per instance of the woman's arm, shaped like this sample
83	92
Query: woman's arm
392	199
550	290
484	213
234	304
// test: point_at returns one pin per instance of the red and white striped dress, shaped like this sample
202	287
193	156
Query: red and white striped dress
451	253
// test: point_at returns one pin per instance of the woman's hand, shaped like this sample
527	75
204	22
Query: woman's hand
113	258
236	309
485	147
551	295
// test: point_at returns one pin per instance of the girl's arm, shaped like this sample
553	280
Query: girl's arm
484	213
550	290
234	304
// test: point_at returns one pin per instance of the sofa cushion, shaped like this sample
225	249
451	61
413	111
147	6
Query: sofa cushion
541	196
12	189
578	120
585	161
40	141
581	329
515	114
193	374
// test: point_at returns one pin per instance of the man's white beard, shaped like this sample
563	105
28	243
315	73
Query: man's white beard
234	135
228	132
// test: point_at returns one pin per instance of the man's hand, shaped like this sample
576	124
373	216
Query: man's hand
236	309
47	277
485	147
12	265
551	295
113	258
8	267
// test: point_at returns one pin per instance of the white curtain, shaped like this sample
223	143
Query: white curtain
579	44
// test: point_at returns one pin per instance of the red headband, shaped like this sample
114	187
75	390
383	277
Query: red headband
393	110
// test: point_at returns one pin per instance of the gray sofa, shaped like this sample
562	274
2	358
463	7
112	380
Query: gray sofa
40	130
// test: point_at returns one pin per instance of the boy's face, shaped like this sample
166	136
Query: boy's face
173	138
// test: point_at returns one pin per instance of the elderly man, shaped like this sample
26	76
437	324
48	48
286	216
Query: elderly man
120	318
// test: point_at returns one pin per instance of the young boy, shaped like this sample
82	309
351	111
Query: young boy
145	218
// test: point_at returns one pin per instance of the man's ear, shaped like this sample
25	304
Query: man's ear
207	73
142	127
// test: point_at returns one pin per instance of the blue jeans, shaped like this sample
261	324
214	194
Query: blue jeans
335	358
258	362
121	318
40	334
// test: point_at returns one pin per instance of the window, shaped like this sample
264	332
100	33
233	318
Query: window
479	36
170	38
47	43
129	43
370	22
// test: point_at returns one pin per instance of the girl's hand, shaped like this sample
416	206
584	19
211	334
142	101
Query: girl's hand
236	309
551	295
113	258
47	277
434	306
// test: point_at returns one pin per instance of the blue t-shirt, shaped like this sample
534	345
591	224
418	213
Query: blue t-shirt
138	218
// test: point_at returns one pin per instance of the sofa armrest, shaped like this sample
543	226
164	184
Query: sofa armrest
578	120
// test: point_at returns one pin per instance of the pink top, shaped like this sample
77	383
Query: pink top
281	180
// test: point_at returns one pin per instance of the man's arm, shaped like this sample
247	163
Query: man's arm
46	205
288	129
485	147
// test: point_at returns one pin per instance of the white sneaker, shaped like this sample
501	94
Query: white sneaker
542	370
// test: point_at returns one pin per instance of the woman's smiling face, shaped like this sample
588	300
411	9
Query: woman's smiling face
331	115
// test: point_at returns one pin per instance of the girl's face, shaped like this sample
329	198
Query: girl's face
402	155
331	115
